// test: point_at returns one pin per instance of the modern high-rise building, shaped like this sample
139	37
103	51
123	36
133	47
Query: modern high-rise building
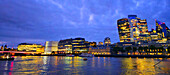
161	29
133	29
124	30
143	29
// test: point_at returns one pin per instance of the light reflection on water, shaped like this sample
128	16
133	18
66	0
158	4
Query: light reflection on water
76	66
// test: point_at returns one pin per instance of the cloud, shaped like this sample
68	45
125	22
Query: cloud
3	42
90	18
43	20
57	4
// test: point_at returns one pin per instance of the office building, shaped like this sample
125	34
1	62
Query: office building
51	46
30	47
100	43
124	30
133	29
107	41
76	45
65	45
100	50
92	44
80	45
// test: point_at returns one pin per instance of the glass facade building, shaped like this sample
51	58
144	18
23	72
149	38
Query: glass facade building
133	29
124	30
76	45
161	29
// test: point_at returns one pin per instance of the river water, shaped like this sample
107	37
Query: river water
61	65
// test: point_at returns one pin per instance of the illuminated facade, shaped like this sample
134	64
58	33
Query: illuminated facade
100	43
65	45
76	45
51	46
100	50
30	47
107	41
143	29
124	30
80	45
162	31
133	29
92	44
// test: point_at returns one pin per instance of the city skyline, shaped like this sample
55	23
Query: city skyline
37	21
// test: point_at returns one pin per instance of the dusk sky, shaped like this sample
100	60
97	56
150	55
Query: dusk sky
37	21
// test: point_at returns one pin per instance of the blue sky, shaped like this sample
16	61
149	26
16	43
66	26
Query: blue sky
37	21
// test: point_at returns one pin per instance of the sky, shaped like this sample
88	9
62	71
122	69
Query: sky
37	21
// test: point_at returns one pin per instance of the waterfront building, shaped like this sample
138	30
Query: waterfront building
30	47
65	45
162	31
159	29
80	45
92	44
133	29
143	29
76	45
107	41
125	44
100	43
51	46
124	30
100	50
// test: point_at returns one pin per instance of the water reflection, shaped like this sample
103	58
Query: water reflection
76	65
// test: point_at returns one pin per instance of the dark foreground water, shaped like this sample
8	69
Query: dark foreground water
58	65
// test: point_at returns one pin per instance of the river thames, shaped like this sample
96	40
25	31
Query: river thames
52	65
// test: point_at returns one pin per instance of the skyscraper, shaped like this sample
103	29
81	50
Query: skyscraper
161	29
124	30
143	29
133	29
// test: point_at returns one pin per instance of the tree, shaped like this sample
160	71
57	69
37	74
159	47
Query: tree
114	50
168	49
140	49
134	49
146	49
128	49
52	53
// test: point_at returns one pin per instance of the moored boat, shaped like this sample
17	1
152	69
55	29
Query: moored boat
70	55
86	55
